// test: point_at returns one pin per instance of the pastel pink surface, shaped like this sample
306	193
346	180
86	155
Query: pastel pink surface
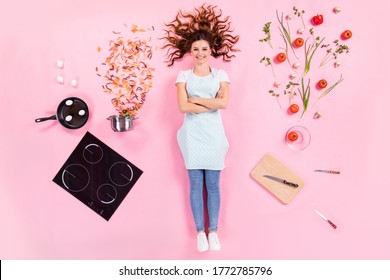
39	220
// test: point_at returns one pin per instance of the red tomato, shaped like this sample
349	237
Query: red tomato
346	34
292	136
322	83
298	42
318	19
281	57
294	108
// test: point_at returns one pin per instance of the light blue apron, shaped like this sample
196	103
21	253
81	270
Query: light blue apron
202	138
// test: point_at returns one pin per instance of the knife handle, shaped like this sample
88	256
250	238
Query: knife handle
332	224
328	171
291	184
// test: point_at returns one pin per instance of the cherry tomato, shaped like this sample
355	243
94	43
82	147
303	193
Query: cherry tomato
322	83
298	42
318	19
292	136
346	34
281	57
294	108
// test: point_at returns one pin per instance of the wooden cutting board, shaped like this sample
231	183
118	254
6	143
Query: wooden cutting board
269	165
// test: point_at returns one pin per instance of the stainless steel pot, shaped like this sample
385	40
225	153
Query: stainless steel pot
121	123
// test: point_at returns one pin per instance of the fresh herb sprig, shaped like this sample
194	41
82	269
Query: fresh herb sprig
267	32
330	55
268	61
290	89
299	14
276	95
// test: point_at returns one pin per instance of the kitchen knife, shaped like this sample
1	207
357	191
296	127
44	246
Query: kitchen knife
327	171
281	181
326	219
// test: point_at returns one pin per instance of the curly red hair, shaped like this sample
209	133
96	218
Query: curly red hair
205	23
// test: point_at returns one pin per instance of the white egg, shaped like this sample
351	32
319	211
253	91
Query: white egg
60	79
69	102
74	83
60	64
68	118
82	112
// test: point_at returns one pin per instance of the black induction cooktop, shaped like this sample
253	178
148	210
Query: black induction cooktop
97	176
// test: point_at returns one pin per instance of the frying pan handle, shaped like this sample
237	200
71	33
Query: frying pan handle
54	117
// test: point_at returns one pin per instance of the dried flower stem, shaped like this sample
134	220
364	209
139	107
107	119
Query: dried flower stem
128	75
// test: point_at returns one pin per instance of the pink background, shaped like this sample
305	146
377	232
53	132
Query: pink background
39	220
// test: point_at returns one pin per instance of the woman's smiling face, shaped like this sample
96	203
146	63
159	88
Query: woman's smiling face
200	51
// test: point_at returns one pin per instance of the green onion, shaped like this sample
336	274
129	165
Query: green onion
309	52
305	95
329	89
285	33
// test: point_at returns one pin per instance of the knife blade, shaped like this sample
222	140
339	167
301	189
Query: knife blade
326	219
281	181
327	171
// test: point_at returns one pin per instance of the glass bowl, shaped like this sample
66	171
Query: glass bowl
303	139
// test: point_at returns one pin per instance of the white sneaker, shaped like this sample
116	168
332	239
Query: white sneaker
214	242
202	243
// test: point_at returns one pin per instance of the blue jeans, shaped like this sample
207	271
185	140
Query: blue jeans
198	178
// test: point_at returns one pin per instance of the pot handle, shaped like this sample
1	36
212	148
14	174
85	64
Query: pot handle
54	117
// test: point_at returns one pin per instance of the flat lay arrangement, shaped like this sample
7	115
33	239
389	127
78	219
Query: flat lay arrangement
127	76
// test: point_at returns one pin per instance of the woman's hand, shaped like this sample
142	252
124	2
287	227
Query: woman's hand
220	93
219	102
197	100
185	105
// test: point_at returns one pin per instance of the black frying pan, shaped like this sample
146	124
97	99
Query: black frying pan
72	113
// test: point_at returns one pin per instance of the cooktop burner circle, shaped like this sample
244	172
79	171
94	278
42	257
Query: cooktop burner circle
121	173
93	153
107	193
75	177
